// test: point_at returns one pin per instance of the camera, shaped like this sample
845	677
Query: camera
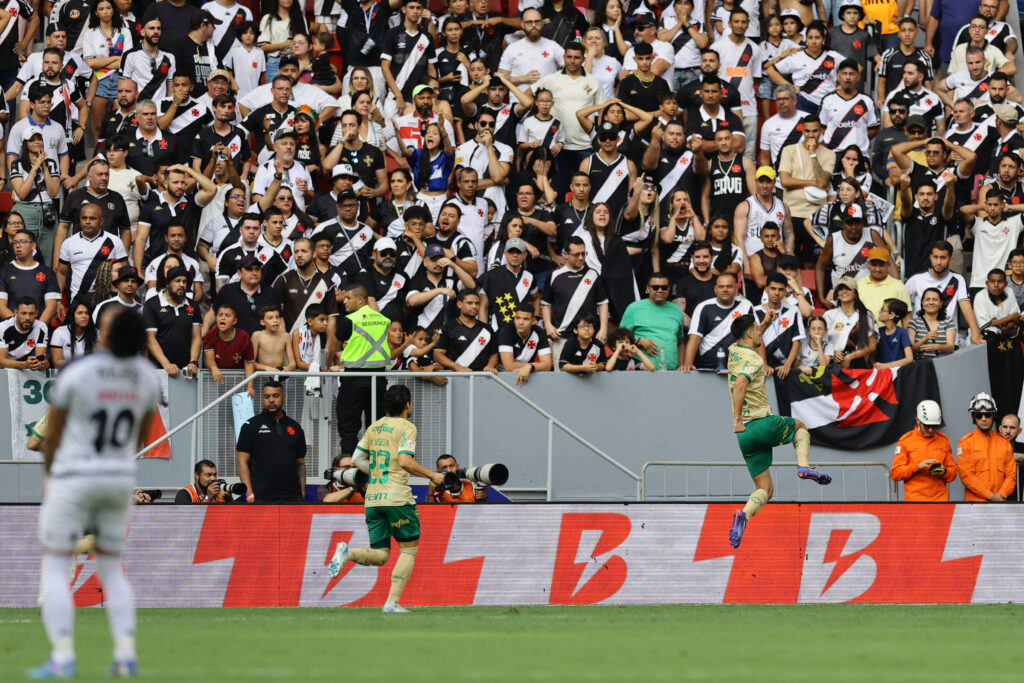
350	477
238	489
154	494
49	216
485	475
489	475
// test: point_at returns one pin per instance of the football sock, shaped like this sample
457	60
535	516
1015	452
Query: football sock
400	574
802	444
120	606
758	499
373	557
58	609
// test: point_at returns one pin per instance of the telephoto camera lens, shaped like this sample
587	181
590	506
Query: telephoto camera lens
494	474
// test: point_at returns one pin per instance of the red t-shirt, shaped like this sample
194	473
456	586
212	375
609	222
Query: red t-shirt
229	355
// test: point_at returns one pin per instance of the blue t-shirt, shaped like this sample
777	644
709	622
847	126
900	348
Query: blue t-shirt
952	15
891	346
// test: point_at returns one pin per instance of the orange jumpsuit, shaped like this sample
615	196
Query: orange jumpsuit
918	484
986	465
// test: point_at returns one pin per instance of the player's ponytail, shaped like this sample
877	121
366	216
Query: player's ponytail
126	334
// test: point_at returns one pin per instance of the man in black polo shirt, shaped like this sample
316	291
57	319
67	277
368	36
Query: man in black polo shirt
111	203
272	452
247	295
174	327
466	344
149	148
26	277
304	285
176	205
704	120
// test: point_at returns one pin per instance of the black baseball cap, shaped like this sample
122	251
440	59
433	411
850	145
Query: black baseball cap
248	261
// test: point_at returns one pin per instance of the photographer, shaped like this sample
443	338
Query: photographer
206	488
331	492
468	493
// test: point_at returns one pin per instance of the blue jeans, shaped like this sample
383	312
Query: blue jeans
273	64
805	105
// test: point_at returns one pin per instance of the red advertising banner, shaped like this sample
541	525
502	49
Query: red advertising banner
262	556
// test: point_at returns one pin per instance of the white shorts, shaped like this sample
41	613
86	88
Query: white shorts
74	504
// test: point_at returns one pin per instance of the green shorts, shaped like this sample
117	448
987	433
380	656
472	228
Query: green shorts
761	436
385	521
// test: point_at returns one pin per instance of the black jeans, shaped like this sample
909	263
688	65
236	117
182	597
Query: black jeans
355	397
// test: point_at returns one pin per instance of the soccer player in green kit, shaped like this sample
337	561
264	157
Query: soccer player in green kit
756	428
387	452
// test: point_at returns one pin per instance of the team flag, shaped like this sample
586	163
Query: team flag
857	409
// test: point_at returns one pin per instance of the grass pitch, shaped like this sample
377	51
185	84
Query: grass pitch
664	643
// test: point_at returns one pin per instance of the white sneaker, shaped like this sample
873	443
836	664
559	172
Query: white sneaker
341	555
392	607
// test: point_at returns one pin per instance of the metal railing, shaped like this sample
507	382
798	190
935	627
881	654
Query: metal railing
217	440
709	494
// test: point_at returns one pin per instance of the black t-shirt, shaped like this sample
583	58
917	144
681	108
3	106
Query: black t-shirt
352	35
276	448
258	123
919	233
387	289
173	327
175	22
695	291
505	290
115	212
193	59
159	214
696	124
145	157
365	161
573	353
642	94
236	141
246	306
38	282
523	350
8	57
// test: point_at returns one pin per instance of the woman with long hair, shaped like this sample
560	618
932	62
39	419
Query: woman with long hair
35	180
932	332
851	327
431	167
282	20
76	337
726	257
683	229
774	44
103	285
452	62
608	17
371	125
812	69
359	80
308	149
314	69
540	128
13	222
296	223
639	226
609	256
511	226
853	165
105	39
403	195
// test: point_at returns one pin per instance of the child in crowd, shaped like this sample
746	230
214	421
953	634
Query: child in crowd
246	60
894	347
307	339
419	353
581	353
272	345
225	347
816	351
323	73
398	341
626	355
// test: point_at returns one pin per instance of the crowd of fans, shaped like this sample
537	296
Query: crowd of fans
552	188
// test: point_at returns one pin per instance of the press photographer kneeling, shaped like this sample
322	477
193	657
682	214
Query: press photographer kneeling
345	484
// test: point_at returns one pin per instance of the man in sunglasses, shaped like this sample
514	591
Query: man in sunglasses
984	457
898	111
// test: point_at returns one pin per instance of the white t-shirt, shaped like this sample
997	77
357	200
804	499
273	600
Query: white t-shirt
740	66
838	327
606	69
123	182
523	56
984	309
247	65
265	175
993	244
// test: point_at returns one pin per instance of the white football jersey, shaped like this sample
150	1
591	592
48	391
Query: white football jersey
105	399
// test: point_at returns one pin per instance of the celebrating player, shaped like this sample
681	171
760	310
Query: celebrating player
756	428
102	407
387	453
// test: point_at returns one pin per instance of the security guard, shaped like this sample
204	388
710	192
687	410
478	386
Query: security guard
364	332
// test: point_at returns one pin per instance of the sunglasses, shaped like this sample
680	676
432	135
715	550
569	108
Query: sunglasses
607	138
485	124
658	288
980	415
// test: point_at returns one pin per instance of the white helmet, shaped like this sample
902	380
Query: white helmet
929	413
982	403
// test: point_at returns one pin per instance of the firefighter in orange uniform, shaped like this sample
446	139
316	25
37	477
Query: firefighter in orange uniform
924	459
984	458
468	493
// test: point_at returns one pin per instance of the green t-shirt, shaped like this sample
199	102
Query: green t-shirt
662	324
